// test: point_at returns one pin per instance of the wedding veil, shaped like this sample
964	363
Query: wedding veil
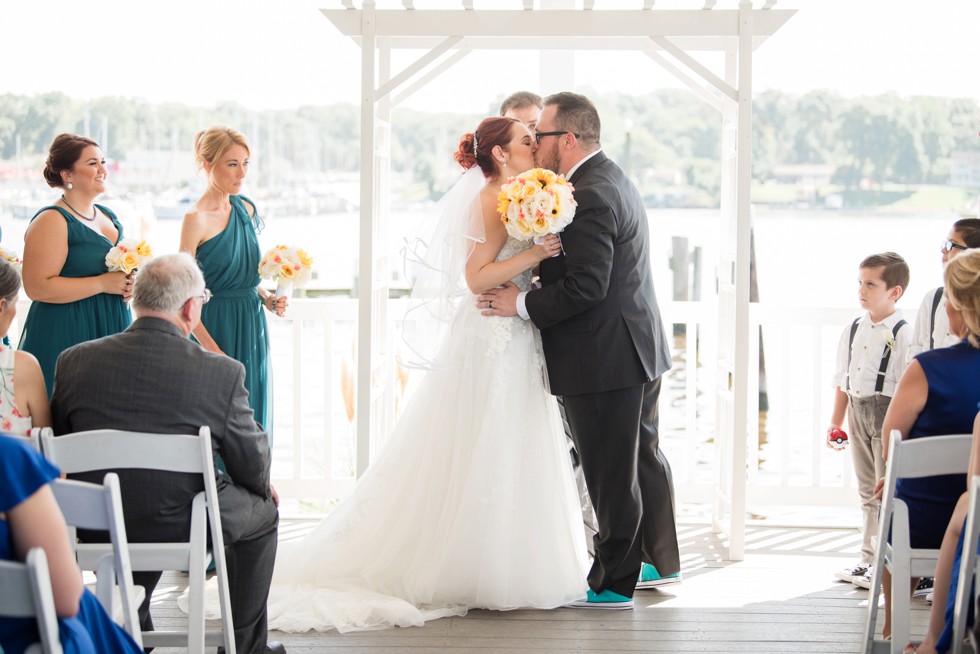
437	259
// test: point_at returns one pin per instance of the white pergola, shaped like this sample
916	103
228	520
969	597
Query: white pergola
668	37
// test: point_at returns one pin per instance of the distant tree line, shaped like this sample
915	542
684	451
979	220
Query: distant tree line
884	138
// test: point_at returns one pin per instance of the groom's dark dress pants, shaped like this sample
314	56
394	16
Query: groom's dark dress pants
629	480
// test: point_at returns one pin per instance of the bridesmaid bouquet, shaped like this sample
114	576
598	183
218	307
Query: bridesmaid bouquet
12	258
288	266
535	203
128	255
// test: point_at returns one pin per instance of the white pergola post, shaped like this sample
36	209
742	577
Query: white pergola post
450	35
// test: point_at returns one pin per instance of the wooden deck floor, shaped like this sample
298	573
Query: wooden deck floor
781	598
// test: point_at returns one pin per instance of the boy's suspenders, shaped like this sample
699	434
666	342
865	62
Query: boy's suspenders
932	317
885	357
850	346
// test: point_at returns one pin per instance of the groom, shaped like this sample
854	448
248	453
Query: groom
606	351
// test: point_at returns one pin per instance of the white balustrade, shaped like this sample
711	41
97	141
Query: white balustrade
314	350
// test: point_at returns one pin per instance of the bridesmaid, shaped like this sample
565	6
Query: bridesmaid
75	297
220	231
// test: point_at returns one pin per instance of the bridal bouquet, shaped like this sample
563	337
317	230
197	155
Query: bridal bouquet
128	255
535	203
12	258
288	266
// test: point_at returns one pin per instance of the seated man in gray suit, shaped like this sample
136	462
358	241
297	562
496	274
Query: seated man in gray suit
152	378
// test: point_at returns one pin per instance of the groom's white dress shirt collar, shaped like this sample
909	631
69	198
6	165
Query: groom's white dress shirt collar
571	172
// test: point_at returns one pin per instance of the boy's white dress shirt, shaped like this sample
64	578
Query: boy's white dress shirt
866	353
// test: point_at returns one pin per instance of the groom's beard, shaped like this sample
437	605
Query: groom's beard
550	160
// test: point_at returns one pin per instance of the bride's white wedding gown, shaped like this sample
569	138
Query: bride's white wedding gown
472	503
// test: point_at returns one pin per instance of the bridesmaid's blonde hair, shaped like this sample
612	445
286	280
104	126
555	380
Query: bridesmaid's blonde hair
962	277
213	142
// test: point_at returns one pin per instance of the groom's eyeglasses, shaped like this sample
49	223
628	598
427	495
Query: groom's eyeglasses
539	135
949	245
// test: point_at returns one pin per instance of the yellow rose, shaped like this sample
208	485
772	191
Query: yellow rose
304	258
129	262
286	271
522	229
143	249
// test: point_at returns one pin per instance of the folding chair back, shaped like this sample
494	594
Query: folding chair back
99	508
115	449
27	594
919	457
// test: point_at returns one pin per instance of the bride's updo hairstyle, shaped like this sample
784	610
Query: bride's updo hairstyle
962	277
475	148
215	141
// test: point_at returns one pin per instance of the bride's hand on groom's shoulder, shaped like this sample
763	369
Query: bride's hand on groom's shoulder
500	301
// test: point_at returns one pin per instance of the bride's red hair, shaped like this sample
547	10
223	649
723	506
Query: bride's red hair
475	147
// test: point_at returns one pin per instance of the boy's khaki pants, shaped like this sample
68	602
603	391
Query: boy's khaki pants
865	418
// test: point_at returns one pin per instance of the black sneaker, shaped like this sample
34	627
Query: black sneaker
863	581
924	587
852	573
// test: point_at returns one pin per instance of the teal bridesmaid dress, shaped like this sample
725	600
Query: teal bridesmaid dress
52	328
234	317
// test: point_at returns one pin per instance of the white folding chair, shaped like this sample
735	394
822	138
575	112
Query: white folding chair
94	507
907	459
112	449
968	567
27	594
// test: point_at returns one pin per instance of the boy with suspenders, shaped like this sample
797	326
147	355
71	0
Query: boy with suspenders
871	357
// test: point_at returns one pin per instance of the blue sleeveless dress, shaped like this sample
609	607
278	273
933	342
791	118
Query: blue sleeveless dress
953	375
50	328
234	316
22	472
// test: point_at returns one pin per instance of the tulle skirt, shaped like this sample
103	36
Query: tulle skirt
471	504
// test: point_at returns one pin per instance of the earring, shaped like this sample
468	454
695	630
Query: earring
69	186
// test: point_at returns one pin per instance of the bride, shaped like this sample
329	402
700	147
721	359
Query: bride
472	503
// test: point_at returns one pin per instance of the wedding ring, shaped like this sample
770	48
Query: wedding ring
490	303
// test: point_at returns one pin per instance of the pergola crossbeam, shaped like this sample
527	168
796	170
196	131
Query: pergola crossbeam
559	23
430	75
697	67
416	66
682	76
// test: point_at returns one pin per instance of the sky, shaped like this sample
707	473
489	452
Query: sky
284	53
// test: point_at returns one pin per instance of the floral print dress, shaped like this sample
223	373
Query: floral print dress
11	421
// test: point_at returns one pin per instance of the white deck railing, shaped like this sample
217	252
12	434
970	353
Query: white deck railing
788	462
313	354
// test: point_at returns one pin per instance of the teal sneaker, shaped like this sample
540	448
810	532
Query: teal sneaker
604	600
650	578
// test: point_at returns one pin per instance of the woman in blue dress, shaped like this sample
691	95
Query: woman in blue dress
938	395
221	232
75	297
29	518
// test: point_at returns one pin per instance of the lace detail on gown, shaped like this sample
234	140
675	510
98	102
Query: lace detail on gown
471	504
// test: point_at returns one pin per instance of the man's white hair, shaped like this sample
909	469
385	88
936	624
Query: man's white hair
166	282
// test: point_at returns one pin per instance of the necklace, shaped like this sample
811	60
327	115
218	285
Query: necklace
95	212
